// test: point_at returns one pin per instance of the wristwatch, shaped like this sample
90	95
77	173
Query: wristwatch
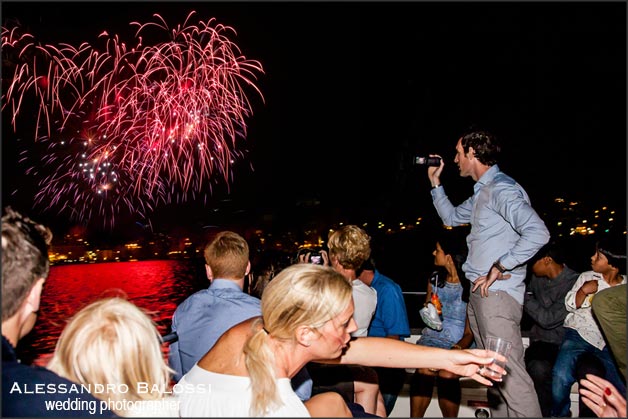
499	266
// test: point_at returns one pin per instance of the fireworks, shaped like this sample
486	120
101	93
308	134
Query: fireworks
132	127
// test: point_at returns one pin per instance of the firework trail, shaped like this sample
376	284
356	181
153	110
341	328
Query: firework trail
132	127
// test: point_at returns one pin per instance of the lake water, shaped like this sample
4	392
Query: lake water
156	286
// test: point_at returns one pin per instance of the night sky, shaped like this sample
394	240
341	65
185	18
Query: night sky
354	90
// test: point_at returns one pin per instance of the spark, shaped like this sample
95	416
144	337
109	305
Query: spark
130	128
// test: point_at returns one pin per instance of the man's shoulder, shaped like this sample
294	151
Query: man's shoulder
26	374
197	298
198	304
502	181
570	275
384	284
361	288
209	295
357	283
36	391
19	378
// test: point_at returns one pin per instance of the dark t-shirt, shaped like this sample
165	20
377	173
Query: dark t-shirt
37	392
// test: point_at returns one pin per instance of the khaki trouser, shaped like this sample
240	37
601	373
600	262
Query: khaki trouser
499	315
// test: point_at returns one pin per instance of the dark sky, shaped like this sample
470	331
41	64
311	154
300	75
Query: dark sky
354	90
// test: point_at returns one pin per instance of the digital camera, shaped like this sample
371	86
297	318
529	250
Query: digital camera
427	161
315	257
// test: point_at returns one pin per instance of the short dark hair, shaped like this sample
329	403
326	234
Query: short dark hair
614	248
485	145
24	259
552	249
368	265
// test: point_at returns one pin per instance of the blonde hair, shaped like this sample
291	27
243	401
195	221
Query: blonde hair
227	255
112	341
350	245
300	295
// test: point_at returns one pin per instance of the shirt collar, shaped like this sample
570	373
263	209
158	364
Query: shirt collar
224	284
488	176
376	276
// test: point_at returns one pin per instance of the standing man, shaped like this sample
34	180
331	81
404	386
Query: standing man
545	304
390	321
31	391
505	233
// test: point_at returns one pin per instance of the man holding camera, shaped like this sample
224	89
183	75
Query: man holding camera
505	232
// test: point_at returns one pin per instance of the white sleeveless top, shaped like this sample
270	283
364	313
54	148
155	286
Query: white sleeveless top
202	393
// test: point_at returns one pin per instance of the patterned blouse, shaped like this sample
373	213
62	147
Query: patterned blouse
581	319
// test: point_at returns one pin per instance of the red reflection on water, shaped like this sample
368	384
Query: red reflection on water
156	286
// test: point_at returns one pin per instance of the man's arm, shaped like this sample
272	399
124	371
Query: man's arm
450	215
546	317
174	360
573	301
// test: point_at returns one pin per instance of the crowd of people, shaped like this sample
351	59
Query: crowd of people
329	340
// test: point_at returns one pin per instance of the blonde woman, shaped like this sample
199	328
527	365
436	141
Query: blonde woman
307	314
113	348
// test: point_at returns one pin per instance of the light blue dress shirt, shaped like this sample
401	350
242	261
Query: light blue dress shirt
203	317
504	228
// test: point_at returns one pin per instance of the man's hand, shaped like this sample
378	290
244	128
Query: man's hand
325	258
433	173
484	282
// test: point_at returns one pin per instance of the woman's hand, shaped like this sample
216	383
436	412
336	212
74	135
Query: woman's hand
474	363
602	397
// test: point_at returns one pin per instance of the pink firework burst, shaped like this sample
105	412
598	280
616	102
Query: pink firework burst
132	127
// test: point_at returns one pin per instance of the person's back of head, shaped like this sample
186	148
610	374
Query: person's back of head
485	145
368	268
25	266
350	245
112	341
552	249
300	295
263	271
453	242
613	246
227	255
